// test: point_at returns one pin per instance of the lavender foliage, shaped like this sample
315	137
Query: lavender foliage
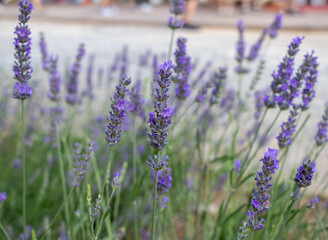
22	66
117	114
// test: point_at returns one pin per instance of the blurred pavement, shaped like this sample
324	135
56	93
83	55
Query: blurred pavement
312	19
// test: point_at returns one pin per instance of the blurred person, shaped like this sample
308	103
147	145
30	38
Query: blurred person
107	10
292	7
189	14
143	6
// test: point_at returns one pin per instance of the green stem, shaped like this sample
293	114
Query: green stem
134	156
171	41
64	187
153	222
24	166
3	232
318	153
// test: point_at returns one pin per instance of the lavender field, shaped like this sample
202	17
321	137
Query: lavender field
107	133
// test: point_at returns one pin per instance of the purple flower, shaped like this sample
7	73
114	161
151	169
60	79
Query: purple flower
22	66
255	49
124	60
174	23
96	210
305	173
272	31
285	137
163	202
182	69
308	92
136	101
164	179
44	53
218	84
312	202
159	122
242	231
72	97
116	181
54	79
80	163
282	77
157	163
178	7
237	167
240	47
201	95
259	104
88	91
63	234
321	136
117	115
261	196
3	196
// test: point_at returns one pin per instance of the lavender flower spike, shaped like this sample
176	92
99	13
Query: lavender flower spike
3	196
160	119
272	31
305	173
178	7
164	180
44	53
321	136
241	45
54	79
261	196
22	66
72	97
117	115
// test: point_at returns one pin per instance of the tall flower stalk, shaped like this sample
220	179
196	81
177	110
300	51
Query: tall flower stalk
22	73
159	122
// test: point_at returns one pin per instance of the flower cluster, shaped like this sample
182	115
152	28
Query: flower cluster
3	196
136	101
200	97
177	8
285	137
182	69
96	210
81	162
117	115
218	84
312	202
116	181
321	136
242	231
88	91
157	163
22	66
261	196
241	45
160	119
255	49
305	173
54	79
72	97
308	92
164	179
44	53
272	31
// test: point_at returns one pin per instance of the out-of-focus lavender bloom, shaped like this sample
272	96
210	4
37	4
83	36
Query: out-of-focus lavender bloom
253	222
55	117
117	115
88	91
240	47
259	104
163	202
178	7
305	173
22	66
201	73
175	23
144	58
72	97
157	163
181	69
255	49
261	196
201	95
63	234
124	60
145	234
321	136
227	100
3	196
96	210
54	79
282	77
116	181
312	202
28	233
285	137
272	31
237	167
242	231
258	74
308	92
100	77
17	163
164	179
81	162
44	52
218	84
136	101
160	119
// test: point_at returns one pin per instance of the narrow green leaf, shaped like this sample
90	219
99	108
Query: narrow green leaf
224	158
245	179
3	233
137	187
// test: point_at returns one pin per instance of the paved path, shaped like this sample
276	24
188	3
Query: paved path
206	17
